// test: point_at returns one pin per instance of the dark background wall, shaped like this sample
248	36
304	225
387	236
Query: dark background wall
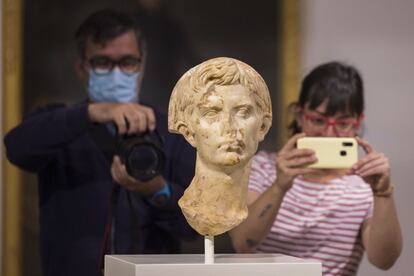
180	35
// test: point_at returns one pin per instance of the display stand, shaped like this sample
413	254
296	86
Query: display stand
209	249
224	265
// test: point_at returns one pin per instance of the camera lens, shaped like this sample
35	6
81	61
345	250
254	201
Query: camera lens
142	159
343	153
143	155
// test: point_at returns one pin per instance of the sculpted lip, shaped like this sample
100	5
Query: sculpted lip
233	146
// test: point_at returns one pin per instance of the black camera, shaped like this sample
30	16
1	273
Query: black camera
143	155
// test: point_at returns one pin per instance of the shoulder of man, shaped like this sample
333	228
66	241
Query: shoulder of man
45	108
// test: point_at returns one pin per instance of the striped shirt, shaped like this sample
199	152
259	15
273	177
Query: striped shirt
316	221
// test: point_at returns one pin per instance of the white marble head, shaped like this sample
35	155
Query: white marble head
223	109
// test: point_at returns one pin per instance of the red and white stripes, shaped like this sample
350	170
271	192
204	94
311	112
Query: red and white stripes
316	221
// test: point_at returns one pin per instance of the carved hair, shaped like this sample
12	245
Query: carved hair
203	77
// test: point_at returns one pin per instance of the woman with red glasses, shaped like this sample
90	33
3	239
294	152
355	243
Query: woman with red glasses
328	215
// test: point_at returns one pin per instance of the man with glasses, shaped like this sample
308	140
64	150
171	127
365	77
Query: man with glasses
89	204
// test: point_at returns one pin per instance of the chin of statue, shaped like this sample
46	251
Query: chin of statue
209	222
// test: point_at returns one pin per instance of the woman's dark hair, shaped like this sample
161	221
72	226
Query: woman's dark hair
105	25
341	85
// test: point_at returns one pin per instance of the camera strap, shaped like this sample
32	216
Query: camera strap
106	142
135	226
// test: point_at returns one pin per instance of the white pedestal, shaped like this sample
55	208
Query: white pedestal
225	265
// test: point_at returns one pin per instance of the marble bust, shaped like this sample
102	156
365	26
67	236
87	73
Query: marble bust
222	107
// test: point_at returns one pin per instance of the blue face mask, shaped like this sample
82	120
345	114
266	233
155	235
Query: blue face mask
115	86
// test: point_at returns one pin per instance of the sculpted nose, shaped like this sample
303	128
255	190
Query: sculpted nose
231	128
228	126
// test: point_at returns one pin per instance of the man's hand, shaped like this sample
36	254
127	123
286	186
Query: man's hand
130	118
120	175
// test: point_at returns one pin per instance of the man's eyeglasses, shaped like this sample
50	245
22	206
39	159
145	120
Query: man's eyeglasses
321	123
104	65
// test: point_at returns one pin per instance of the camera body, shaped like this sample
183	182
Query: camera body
142	154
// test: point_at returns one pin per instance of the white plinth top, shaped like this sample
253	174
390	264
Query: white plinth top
225	264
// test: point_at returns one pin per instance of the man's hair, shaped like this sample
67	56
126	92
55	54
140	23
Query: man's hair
203	77
103	26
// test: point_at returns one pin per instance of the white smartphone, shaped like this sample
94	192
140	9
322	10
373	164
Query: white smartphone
331	152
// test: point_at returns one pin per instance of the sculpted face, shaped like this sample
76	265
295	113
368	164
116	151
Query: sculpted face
222	107
226	124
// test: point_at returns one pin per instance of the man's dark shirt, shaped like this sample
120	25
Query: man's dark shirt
75	189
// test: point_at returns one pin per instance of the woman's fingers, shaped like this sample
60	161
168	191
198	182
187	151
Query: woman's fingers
301	161
376	166
374	171
291	143
365	145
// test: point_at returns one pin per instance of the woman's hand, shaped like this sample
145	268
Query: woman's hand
374	168
290	162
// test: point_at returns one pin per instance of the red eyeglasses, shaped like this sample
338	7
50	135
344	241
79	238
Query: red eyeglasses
342	126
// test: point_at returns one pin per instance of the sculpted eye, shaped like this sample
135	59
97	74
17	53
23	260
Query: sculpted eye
244	112
210	113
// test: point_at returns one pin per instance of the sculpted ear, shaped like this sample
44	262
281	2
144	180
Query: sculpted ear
264	128
187	133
